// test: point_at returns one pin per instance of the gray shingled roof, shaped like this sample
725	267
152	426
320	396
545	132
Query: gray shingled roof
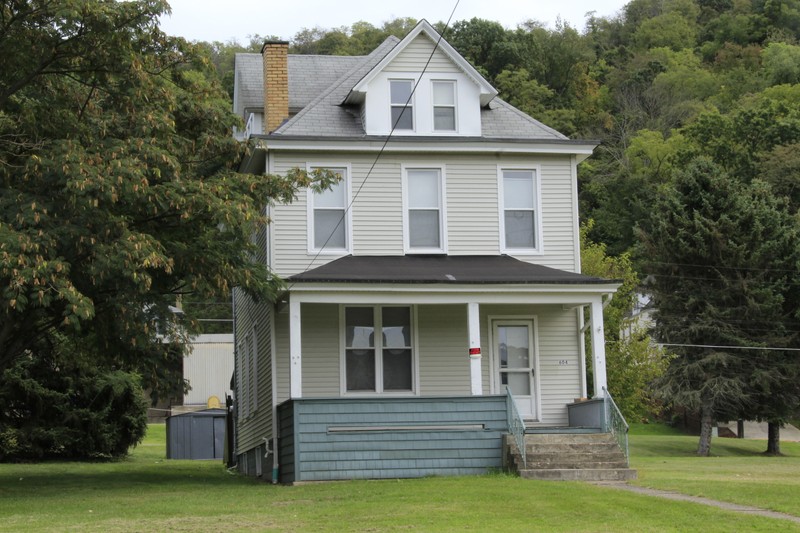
440	269
319	84
309	75
325	116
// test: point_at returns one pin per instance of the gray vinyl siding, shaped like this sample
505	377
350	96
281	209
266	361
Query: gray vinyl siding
557	341
472	208
444	367
253	319
254	422
414	57
315	446
320	348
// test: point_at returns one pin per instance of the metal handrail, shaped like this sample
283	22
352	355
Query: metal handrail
615	422
516	427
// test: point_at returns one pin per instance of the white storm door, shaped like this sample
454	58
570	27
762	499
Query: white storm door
516	362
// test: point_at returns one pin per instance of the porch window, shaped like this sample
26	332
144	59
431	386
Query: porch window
378	351
444	105
424	213
519	219
401	104
328	215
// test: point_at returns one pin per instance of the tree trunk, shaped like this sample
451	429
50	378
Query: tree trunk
773	438
706	423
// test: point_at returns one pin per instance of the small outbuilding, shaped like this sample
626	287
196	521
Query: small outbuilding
196	435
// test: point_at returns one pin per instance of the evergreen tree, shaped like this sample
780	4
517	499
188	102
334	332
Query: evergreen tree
723	255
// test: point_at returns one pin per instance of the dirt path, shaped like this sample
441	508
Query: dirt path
757	511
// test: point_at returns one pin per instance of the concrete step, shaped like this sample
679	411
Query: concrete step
568	465
584	474
597	447
578	459
567	438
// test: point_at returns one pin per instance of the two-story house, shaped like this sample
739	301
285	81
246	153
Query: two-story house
434	294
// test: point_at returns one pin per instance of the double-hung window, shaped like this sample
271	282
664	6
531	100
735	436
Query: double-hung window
328	228
424	213
444	105
519	218
378	354
402	104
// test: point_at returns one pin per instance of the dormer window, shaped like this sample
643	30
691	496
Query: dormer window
402	105
444	105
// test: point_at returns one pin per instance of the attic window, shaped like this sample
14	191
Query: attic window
402	105
444	106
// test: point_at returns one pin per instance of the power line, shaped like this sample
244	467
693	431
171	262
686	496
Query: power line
385	143
767	348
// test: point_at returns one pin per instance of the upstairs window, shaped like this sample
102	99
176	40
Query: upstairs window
424	210
444	105
328	217
520	211
402	105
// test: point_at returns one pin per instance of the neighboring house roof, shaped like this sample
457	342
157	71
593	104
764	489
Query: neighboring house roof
439	269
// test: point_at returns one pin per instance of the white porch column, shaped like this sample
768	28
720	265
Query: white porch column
474	326
598	348
295	352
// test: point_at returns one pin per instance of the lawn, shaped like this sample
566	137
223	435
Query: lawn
736	472
145	492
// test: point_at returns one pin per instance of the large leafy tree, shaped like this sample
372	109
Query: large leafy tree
723	254
118	182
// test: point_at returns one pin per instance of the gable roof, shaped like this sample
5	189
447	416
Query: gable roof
440	269
487	92
320	86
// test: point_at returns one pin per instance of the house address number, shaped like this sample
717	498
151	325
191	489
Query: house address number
563	362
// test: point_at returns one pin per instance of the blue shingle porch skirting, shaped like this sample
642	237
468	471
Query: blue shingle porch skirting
370	438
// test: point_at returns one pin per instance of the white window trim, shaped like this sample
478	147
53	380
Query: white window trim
348	212
376	309
454	106
404	168
494	364
538	219
411	104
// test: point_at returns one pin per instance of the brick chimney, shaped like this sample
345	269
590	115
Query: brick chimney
276	84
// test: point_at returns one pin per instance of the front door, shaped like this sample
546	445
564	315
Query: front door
515	363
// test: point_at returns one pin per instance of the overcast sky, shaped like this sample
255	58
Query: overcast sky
212	20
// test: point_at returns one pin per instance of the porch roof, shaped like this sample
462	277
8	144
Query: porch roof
481	269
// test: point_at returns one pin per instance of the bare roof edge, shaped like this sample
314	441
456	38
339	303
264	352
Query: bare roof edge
484	269
427	138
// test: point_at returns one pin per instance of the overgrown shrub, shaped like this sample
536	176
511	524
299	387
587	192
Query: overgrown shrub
60	407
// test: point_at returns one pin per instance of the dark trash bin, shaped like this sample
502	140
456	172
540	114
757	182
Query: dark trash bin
196	435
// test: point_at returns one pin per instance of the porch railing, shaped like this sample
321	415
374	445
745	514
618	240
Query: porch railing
615	423
516	427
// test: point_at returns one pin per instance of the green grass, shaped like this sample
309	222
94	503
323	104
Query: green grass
736	472
145	492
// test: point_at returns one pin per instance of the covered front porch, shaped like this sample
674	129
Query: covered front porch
408	366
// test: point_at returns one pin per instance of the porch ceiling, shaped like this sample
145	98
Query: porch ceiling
447	269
